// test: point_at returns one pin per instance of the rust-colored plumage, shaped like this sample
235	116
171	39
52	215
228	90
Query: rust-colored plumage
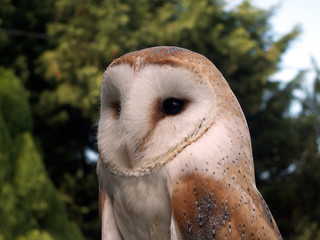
206	208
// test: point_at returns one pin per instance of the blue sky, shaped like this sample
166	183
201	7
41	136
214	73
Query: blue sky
289	14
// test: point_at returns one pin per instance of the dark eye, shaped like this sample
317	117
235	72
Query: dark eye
172	106
117	107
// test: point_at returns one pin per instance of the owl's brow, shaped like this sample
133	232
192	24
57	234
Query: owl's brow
171	56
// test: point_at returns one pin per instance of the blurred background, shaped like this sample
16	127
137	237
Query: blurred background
52	57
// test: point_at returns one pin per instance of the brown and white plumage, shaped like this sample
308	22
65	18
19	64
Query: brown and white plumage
183	173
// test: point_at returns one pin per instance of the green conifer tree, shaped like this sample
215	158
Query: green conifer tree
31	208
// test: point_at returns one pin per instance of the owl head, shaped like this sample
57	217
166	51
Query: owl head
158	101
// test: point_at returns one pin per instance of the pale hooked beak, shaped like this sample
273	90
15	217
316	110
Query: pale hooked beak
131	151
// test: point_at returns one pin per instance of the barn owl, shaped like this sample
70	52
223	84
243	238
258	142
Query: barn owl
175	152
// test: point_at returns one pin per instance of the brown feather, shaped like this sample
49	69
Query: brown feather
102	198
208	208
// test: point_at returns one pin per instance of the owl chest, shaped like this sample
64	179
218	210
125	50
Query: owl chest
143	202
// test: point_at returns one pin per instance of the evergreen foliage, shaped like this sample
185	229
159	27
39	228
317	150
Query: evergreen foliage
60	56
31	207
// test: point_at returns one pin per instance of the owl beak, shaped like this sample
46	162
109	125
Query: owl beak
131	151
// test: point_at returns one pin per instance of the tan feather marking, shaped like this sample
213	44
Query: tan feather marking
156	55
206	208
154	228
102	198
171	56
157	114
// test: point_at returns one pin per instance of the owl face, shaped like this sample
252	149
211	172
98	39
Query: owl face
150	113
